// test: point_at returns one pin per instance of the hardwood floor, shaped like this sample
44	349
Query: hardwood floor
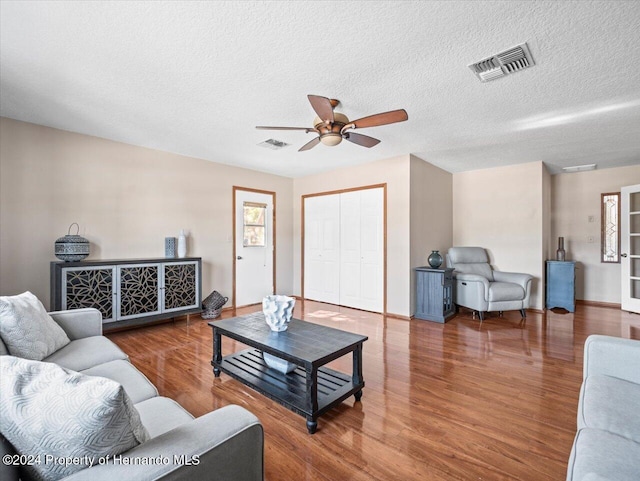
457	401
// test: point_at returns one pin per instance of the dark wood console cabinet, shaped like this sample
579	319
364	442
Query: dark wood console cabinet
129	292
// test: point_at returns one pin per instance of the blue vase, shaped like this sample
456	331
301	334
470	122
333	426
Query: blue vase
435	259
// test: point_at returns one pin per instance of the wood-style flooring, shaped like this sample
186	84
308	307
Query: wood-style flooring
454	401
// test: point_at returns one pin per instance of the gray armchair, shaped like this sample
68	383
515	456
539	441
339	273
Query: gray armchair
480	288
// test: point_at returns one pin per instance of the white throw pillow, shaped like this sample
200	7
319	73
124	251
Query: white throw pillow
27	329
64	415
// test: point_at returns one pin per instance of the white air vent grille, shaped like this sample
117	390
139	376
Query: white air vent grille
273	144
503	63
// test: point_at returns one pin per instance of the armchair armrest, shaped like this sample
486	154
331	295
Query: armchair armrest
79	323
612	356
473	278
226	444
514	277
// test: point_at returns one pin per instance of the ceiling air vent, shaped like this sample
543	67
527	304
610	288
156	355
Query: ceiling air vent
503	63
273	144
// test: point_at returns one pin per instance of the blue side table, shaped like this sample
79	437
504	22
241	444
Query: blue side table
561	285
434	294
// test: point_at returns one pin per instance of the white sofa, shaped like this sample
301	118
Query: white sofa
228	442
607	444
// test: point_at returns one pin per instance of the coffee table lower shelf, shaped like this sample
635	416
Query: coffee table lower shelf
290	390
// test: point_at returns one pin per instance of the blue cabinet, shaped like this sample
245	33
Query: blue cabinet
434	294
561	285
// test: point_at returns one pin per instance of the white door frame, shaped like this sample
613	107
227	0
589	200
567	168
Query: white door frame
273	230
384	235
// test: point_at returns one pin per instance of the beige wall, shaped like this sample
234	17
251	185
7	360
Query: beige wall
502	210
575	197
431	214
395	173
126	199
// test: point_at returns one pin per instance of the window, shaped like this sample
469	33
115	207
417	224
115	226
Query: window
610	244
254	224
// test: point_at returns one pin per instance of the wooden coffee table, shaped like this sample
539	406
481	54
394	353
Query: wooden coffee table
311	389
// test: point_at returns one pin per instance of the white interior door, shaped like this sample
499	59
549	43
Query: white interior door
322	248
630	248
253	247
361	249
371	249
350	269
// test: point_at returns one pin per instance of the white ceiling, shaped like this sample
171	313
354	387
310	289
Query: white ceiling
195	78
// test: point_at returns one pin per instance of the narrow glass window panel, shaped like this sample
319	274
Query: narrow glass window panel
610	244
254	224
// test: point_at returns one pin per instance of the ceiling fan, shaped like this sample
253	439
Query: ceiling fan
332	126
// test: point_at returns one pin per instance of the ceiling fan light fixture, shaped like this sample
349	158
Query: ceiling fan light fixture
332	126
331	139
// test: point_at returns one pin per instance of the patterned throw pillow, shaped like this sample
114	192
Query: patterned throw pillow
60	414
26	328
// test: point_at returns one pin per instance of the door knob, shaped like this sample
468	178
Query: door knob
623	255
239	258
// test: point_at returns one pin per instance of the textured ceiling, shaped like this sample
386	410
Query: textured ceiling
195	78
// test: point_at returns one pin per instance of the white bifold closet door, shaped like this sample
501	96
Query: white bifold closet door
322	248
344	249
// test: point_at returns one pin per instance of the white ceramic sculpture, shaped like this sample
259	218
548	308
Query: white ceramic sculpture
278	311
278	364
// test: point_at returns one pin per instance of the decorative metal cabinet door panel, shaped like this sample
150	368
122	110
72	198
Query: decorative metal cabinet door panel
89	287
180	286
139	290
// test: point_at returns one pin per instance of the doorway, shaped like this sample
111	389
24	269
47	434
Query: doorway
254	242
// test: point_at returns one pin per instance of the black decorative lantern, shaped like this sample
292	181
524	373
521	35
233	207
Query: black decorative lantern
72	247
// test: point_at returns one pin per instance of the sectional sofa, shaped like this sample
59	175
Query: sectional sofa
227	444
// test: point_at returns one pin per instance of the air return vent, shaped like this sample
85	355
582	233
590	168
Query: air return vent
503	63
273	144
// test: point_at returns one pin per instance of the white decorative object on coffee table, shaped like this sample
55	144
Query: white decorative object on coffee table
278	311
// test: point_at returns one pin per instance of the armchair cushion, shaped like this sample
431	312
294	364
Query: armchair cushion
505	291
470	260
26	328
481	269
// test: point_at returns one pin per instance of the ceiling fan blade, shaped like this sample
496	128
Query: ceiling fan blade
307	129
322	106
360	139
380	119
310	145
